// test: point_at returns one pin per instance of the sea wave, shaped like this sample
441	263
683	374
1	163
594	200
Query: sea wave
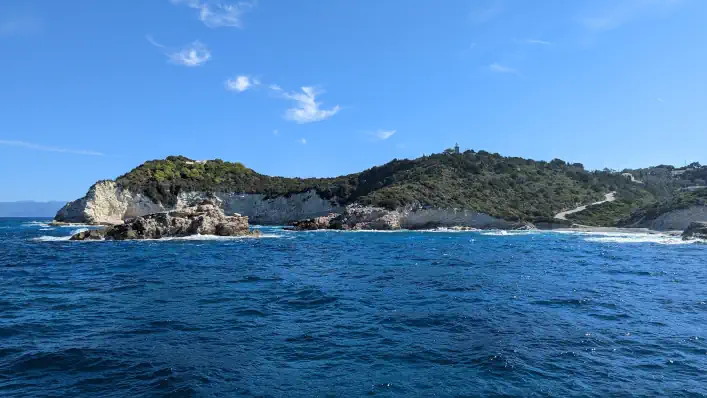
214	237
47	238
33	224
76	226
629	237
448	230
502	232
660	239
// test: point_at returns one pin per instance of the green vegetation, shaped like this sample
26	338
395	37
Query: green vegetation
662	189
682	200
606	214
507	187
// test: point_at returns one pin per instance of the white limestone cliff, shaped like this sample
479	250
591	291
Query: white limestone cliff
108	203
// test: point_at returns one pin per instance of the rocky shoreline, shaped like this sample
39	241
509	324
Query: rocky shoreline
204	219
130	215
357	217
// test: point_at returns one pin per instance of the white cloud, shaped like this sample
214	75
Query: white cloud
218	15
383	134
275	87
36	147
195	54
626	11
303	141
241	83
661	100
153	42
535	41
21	26
496	67
307	109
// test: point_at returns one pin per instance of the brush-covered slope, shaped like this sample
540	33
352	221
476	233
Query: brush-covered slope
657	191
509	188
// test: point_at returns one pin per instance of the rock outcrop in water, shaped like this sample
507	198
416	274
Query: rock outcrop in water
204	219
696	230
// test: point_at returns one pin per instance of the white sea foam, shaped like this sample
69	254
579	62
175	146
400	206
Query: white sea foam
660	239
184	238
502	232
47	229
214	237
75	226
448	230
31	224
52	239
629	237
78	231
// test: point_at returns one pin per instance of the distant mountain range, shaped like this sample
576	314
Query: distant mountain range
30	209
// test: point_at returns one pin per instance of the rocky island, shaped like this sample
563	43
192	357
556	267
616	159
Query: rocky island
204	219
454	190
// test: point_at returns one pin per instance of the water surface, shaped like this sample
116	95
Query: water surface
352	314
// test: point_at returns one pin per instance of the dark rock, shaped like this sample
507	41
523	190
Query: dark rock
203	219
696	230
312	224
91	234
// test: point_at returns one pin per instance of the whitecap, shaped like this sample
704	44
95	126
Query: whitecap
639	238
75	226
451	230
52	239
30	224
510	233
78	231
214	237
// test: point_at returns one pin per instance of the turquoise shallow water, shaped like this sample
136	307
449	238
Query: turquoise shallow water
352	314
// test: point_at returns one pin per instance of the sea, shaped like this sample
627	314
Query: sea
352	314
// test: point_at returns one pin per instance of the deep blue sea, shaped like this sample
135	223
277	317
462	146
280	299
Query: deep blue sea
350	314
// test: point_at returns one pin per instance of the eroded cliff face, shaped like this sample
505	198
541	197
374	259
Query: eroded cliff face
356	217
676	220
108	203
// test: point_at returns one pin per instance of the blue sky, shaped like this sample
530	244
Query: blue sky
91	89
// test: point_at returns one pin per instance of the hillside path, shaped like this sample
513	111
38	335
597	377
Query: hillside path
609	197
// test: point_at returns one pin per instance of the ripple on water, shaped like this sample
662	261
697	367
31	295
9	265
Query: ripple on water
307	298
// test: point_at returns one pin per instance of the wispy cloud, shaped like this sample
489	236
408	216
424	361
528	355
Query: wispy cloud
535	42
36	147
275	87
307	109
19	26
275	132
241	83
498	68
303	141
217	15
382	135
661	100
485	11
624	12
194	54
468	49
